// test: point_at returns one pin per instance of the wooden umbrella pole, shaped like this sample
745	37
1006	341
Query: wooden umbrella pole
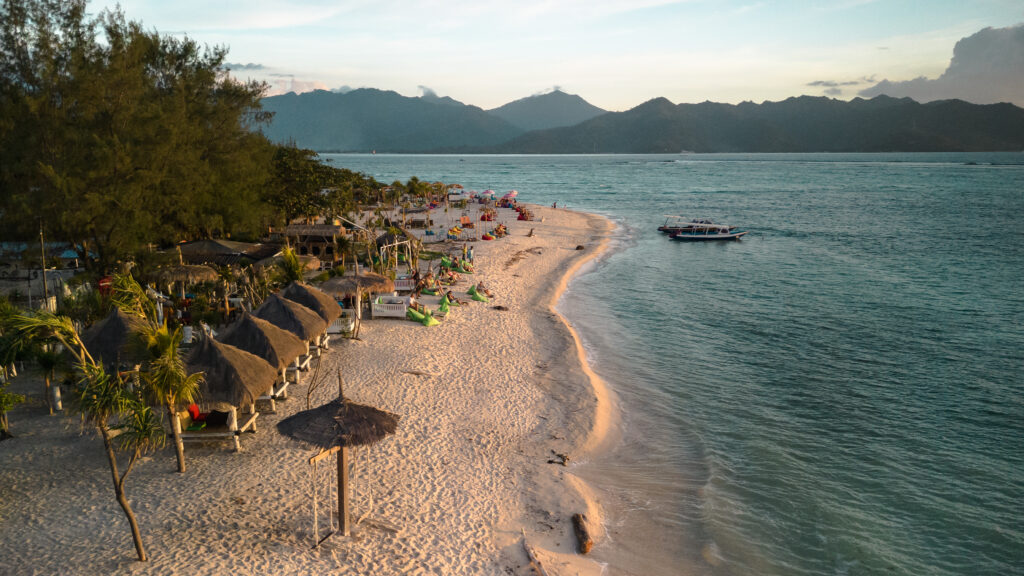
343	489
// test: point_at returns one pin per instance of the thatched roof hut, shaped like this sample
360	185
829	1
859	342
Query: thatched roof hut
112	340
291	316
365	282
232	376
314	299
340	422
277	346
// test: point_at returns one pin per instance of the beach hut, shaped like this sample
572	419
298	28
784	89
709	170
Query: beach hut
291	316
233	378
279	347
295	318
315	299
334	428
112	341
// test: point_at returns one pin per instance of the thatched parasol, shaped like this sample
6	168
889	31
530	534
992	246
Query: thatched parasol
340	422
314	299
109	341
291	316
336	426
364	282
277	346
186	273
233	376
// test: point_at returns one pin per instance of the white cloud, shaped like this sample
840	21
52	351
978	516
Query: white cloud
987	67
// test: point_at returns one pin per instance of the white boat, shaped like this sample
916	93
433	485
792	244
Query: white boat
708	232
674	224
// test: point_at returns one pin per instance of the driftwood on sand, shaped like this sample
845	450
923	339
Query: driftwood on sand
579	526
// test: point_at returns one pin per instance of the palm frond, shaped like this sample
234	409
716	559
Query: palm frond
141	430
131	298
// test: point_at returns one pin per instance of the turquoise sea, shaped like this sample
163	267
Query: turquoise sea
842	392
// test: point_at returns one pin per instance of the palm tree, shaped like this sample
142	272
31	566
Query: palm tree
169	382
8	400
48	359
101	398
289	268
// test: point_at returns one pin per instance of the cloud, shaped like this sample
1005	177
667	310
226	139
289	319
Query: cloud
427	93
987	67
835	87
281	85
249	66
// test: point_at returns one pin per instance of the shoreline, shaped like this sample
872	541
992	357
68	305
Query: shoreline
486	400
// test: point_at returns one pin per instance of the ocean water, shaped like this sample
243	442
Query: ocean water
841	392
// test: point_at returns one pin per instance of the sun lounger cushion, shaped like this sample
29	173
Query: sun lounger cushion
196	426
195	414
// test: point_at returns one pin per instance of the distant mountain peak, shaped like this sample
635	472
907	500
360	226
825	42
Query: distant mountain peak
553	109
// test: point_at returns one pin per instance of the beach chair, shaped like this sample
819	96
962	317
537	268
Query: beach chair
465	222
194	430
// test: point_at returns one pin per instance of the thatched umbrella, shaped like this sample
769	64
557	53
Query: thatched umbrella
291	316
186	274
232	376
313	298
109	341
336	426
277	346
364	282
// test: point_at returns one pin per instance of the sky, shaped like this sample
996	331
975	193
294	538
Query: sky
616	54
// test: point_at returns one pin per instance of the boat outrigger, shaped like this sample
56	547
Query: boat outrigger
708	232
675	224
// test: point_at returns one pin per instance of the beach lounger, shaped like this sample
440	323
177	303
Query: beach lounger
235	426
389	306
405	284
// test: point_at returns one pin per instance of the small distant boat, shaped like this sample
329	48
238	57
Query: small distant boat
708	232
676	224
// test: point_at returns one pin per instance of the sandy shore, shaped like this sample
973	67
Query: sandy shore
499	394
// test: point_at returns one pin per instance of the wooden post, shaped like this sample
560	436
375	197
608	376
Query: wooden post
343	524
233	427
179	444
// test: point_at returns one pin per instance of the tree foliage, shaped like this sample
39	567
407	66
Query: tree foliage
118	137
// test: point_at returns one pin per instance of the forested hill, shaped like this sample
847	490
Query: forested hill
368	119
804	124
552	110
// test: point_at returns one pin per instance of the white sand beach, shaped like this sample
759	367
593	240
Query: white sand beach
486	399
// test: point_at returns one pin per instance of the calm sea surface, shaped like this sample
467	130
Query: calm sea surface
842	392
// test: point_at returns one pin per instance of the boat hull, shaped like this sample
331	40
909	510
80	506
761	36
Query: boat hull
686	237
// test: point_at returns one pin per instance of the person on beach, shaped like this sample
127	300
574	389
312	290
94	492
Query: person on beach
451	298
471	254
480	288
554	204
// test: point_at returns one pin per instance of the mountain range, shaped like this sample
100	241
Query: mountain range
558	123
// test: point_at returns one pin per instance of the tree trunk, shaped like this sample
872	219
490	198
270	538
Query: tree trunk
179	446
49	393
122	499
